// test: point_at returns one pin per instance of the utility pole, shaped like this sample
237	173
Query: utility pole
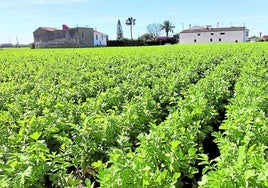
17	41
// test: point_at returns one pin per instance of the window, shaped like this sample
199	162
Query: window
211	33
222	33
96	37
83	35
219	39
194	40
101	37
211	40
198	34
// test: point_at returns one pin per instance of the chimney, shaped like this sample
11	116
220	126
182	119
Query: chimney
208	26
65	27
190	25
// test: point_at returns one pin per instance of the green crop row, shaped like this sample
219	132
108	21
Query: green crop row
171	151
243	144
70	109
123	117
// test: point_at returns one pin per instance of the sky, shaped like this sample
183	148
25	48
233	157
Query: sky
19	18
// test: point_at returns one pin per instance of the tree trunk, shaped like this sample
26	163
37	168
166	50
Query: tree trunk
131	31
166	33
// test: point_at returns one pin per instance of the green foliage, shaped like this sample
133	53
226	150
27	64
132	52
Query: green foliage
243	146
134	117
125	42
120	35
167	26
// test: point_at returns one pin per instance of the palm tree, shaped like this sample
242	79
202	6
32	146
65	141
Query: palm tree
168	27
130	21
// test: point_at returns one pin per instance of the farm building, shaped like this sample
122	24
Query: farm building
100	39
207	34
47	37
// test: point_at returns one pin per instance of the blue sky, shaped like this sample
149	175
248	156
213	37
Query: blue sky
19	18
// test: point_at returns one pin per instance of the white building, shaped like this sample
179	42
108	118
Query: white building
100	39
198	34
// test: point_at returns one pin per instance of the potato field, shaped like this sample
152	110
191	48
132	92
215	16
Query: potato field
155	117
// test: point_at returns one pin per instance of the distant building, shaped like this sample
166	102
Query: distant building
207	34
261	38
100	39
47	37
265	37
253	38
6	45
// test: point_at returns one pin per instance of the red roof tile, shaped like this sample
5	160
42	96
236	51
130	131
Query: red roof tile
49	28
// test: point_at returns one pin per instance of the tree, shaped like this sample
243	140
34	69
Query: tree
167	26
130	21
119	31
145	37
176	37
154	29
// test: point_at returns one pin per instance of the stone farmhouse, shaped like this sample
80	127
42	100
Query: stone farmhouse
47	37
207	34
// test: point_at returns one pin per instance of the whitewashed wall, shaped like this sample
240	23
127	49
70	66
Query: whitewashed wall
100	39
213	37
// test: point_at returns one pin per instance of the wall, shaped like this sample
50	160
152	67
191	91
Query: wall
212	37
100	39
40	36
75	37
86	38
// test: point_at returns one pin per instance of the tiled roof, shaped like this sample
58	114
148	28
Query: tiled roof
219	29
49	28
99	32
